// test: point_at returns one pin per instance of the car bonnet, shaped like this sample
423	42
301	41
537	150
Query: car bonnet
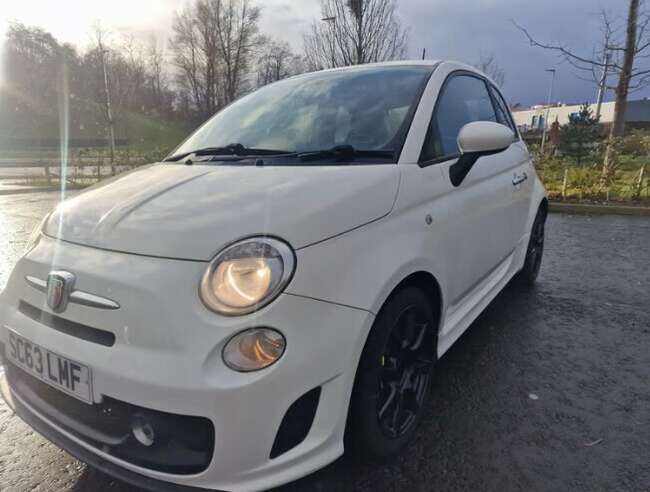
191	212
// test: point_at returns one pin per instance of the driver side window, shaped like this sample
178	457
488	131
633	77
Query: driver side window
463	99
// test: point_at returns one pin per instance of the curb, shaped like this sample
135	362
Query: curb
588	208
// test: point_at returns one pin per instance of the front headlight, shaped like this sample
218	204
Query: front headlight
247	275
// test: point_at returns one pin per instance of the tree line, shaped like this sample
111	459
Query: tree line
215	54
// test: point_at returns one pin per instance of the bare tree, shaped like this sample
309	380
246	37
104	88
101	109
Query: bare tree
353	32
489	66
155	66
631	51
635	47
190	60
135	71
238	36
206	22
214	43
276	61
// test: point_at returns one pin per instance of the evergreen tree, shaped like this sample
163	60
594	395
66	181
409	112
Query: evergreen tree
579	137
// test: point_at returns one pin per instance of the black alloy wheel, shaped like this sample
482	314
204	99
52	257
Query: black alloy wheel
392	380
406	370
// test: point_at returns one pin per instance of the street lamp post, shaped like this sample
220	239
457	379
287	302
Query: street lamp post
109	112
548	108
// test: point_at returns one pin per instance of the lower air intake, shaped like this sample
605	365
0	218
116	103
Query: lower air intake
296	423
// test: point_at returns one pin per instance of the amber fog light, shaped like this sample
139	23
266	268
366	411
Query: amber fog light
254	349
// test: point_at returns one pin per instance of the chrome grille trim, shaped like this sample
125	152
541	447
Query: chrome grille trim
76	296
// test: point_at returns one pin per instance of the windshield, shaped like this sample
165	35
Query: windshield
368	109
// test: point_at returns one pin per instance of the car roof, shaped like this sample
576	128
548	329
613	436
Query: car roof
403	63
385	64
450	65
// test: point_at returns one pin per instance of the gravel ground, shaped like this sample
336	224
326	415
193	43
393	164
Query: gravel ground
548	390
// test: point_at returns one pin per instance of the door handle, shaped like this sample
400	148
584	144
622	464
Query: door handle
517	180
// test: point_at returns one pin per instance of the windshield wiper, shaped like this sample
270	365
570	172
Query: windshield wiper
343	152
340	153
235	149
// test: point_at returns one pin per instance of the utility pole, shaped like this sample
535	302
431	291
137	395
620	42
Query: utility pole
548	108
424	53
109	113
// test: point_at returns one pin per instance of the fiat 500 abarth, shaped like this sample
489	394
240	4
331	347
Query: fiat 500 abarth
280	287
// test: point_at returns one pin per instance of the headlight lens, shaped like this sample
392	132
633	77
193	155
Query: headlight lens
247	276
253	349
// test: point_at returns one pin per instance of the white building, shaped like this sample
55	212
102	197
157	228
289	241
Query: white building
533	118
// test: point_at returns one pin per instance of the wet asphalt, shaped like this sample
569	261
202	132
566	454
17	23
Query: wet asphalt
548	390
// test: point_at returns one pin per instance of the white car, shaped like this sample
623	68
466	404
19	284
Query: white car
279	288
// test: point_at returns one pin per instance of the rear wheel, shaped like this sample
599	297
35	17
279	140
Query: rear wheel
393	377
530	271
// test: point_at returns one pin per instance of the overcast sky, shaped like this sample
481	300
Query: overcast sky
450	29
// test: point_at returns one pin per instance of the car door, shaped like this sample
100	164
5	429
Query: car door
477	231
522	174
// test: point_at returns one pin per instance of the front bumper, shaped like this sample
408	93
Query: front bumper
40	425
167	358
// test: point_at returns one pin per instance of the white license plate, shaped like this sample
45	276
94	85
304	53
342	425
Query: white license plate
67	375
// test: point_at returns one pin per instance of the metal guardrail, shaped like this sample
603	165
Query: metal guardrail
55	163
80	171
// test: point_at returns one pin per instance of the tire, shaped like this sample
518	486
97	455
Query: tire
534	253
394	372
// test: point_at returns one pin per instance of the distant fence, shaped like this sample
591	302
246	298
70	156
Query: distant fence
48	142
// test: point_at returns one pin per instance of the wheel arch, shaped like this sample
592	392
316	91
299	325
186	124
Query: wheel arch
427	283
543	205
538	200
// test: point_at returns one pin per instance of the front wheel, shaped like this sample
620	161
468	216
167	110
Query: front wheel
392	380
528	274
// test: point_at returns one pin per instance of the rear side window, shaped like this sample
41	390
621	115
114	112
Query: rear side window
463	99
